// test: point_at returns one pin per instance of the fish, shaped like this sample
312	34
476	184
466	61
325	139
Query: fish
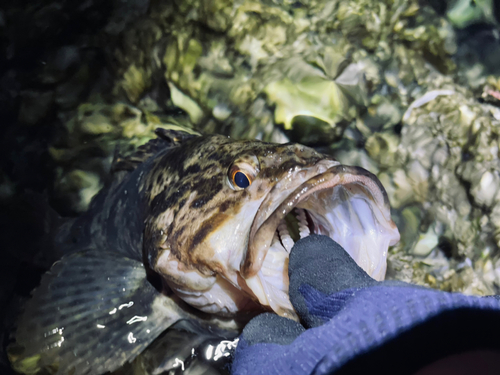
192	228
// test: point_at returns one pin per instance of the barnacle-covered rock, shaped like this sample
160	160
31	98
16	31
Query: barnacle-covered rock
427	242
462	13
306	62
98	132
440	141
78	187
382	148
257	59
309	103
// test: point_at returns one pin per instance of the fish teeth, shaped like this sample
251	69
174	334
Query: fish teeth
286	240
303	227
276	244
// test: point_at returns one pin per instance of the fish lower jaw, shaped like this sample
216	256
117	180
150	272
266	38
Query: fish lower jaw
270	284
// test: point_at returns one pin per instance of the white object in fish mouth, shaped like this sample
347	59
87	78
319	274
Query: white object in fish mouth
348	204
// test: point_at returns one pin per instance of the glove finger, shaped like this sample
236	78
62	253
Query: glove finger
271	328
319	266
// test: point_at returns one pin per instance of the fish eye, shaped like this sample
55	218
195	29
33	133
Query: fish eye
241	176
241	180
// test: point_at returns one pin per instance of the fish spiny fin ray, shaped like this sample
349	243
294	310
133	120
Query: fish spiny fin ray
167	138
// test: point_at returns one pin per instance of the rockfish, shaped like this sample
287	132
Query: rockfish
192	227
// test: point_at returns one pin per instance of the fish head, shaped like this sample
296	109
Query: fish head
219	227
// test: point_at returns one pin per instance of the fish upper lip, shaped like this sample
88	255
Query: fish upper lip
265	222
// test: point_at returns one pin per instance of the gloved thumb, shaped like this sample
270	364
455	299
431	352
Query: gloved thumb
319	266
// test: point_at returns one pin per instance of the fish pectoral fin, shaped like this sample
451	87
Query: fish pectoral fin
92	312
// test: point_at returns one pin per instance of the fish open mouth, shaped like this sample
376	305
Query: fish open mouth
348	204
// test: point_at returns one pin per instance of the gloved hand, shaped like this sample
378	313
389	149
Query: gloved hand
351	323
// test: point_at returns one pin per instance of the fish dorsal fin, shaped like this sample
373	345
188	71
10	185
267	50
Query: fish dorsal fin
167	138
140	155
175	136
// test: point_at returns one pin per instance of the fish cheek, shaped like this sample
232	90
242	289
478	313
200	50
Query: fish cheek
180	254
179	277
202	253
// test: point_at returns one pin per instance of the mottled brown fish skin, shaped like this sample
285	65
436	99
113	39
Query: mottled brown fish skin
189	195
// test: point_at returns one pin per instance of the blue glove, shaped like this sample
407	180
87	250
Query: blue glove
354	324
